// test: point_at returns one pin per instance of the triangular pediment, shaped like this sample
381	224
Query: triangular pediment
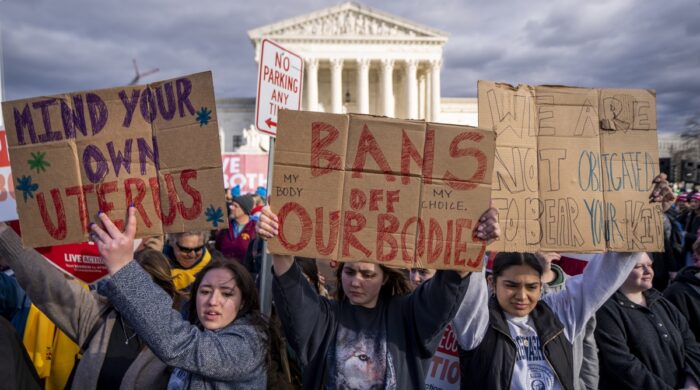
348	20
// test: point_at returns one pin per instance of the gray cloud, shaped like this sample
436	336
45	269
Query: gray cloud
58	46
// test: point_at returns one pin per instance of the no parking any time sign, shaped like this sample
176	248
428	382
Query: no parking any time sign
279	85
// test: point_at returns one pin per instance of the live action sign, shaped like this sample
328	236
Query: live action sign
279	85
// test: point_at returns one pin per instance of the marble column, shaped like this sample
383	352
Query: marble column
412	89
337	86
435	66
388	87
363	85
422	97
312	84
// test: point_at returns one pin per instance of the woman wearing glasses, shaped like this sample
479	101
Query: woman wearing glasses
188	255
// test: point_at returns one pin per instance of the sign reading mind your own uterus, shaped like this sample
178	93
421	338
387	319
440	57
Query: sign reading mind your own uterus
154	146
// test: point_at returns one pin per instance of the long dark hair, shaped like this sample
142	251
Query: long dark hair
249	298
505	260
396	284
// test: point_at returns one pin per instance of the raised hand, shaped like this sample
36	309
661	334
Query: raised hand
662	192
488	228
115	246
267	224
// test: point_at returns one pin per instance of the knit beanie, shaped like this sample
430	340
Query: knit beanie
245	202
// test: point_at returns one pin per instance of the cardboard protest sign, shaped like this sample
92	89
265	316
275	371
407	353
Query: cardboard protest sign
573	168
8	207
395	192
154	146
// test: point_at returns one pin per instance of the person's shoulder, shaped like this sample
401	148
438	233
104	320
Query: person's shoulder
244	326
615	303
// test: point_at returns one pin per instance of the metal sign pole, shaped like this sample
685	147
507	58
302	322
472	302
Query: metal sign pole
266	268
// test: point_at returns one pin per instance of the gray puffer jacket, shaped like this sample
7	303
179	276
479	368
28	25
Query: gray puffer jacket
232	357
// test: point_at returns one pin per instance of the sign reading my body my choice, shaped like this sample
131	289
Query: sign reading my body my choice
154	146
395	192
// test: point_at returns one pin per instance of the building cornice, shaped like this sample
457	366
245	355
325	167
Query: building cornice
348	22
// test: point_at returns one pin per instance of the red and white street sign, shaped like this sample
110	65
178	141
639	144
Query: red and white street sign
279	85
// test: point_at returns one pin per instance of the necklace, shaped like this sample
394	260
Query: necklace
126	338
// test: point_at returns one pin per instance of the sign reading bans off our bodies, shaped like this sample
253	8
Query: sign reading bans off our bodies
153	146
574	167
395	192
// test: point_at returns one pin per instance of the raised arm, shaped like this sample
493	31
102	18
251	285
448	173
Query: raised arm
472	318
73	309
267	227
434	303
306	317
584	294
233	353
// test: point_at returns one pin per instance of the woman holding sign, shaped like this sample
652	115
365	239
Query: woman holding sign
225	343
378	334
517	339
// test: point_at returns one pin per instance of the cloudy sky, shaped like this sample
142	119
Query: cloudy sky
54	46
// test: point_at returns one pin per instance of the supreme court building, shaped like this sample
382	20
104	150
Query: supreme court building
357	60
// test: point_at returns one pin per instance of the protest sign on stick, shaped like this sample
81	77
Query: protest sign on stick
573	168
394	192
154	146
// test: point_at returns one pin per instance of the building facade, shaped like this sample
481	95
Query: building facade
357	60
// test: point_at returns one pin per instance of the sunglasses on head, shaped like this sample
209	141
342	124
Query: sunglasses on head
185	249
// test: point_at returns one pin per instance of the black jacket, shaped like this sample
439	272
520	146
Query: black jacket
684	293
17	370
414	323
645	347
490	365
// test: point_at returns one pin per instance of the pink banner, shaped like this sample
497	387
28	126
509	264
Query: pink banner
249	171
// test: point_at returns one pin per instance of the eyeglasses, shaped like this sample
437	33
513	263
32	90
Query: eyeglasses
187	250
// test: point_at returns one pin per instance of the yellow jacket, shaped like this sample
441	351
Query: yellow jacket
51	351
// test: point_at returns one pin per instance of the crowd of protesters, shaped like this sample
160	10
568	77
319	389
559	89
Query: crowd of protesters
182	312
